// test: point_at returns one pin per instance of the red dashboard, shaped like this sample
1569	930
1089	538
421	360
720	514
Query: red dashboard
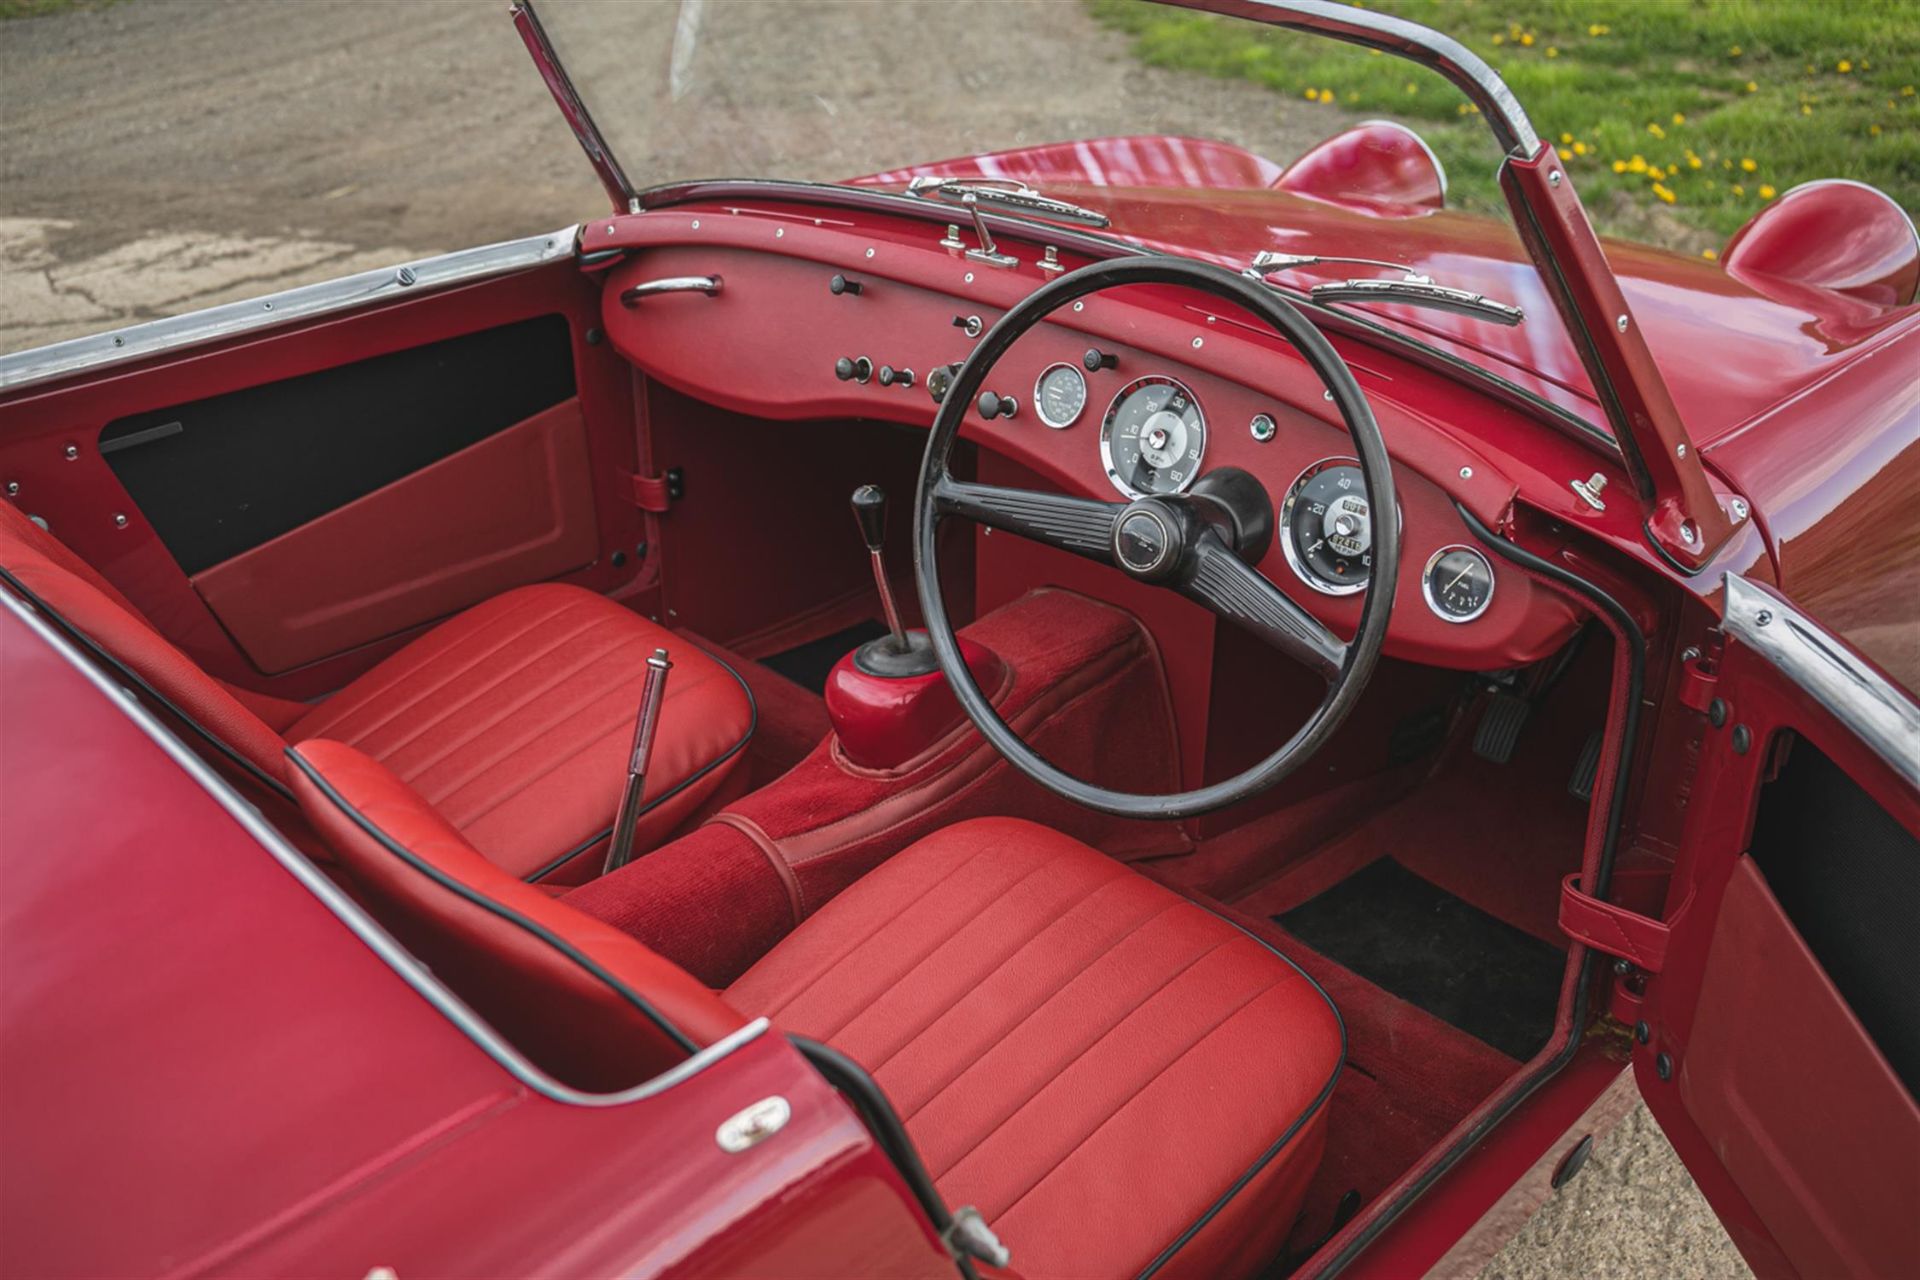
778	338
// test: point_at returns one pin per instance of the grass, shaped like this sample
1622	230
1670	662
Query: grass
41	8
1677	119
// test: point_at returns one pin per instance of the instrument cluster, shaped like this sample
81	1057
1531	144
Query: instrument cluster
1153	441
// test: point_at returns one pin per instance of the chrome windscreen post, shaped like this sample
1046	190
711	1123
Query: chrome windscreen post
627	817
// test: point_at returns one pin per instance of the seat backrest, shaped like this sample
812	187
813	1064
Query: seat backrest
84	602
590	1004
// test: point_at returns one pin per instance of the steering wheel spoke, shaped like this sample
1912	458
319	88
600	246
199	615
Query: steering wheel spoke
1083	526
1235	590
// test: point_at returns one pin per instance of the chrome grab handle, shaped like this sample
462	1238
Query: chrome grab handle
709	285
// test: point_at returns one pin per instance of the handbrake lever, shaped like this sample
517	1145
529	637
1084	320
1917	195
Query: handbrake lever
627	816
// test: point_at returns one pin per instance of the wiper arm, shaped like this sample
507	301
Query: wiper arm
1009	195
1411	288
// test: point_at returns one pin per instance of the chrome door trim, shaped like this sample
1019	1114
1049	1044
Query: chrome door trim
1862	699
275	310
362	925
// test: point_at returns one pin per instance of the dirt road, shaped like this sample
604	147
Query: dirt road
162	155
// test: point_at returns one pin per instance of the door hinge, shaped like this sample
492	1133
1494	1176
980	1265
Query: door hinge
655	493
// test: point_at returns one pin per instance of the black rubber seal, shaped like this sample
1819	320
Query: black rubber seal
1636	642
469	894
753	724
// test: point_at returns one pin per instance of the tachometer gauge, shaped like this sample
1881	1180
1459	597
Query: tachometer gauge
1059	395
1458	583
1327	527
1153	438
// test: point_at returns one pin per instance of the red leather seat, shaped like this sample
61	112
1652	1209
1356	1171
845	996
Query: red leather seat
1112	1075
513	718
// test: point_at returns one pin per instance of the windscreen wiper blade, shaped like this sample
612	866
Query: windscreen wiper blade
1410	288
1007	195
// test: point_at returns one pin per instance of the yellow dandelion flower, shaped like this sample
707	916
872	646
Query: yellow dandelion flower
1734	52
1805	110
1710	255
1412	87
1766	192
1656	131
1579	148
1638	164
1552	52
1655	172
1462	108
1747	165
1527	39
1567	138
1619	166
1665	195
1498	39
1873	130
1565	153
1726	164
1737	189
1843	66
1678	118
1752	87
1326	95
1597	29
1906	91
1313	95
1693	161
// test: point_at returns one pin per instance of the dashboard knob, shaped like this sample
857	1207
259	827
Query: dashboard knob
853	368
970	325
840	284
890	376
1096	360
940	379
992	406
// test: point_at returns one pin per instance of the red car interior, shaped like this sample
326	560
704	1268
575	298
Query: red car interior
397	574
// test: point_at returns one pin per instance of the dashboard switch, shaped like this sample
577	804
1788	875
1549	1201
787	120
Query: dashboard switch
969	325
840	284
892	377
1096	360
853	368
992	406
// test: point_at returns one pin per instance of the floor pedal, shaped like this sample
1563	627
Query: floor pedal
1500	724
1586	768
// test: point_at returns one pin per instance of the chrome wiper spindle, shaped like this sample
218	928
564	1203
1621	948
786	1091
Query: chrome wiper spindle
1411	288
1008	195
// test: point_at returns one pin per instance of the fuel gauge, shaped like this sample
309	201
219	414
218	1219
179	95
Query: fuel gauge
1458	583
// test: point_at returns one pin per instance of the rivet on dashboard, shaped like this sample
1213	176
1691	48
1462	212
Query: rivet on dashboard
1198	343
72	452
1327	395
779	233
869	253
1079	306
1621	324
119	520
1466	473
696	225
969	277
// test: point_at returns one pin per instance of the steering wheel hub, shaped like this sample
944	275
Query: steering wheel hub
1147	540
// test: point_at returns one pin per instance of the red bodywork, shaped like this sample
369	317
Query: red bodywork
375	1124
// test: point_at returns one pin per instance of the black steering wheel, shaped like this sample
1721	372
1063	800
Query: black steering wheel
1203	543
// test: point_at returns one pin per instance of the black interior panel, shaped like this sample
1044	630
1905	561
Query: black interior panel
222	475
1848	876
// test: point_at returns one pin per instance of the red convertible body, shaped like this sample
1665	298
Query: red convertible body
469	807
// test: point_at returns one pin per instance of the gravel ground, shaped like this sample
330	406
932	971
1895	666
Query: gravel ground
162	155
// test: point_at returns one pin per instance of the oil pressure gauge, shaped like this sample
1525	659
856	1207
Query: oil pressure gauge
1458	583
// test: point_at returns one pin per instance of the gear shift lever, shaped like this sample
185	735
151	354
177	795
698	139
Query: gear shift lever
870	509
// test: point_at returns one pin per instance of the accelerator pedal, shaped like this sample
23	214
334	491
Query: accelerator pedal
1498	732
1586	768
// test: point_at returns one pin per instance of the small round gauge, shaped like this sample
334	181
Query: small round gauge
1153	438
1328	527
1059	395
1458	583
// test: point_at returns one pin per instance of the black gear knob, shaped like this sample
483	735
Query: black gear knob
870	509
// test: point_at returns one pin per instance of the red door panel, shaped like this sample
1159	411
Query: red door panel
1809	1121
517	507
1781	1047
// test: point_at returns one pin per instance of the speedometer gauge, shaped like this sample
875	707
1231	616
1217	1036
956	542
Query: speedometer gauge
1059	395
1153	438
1327	527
